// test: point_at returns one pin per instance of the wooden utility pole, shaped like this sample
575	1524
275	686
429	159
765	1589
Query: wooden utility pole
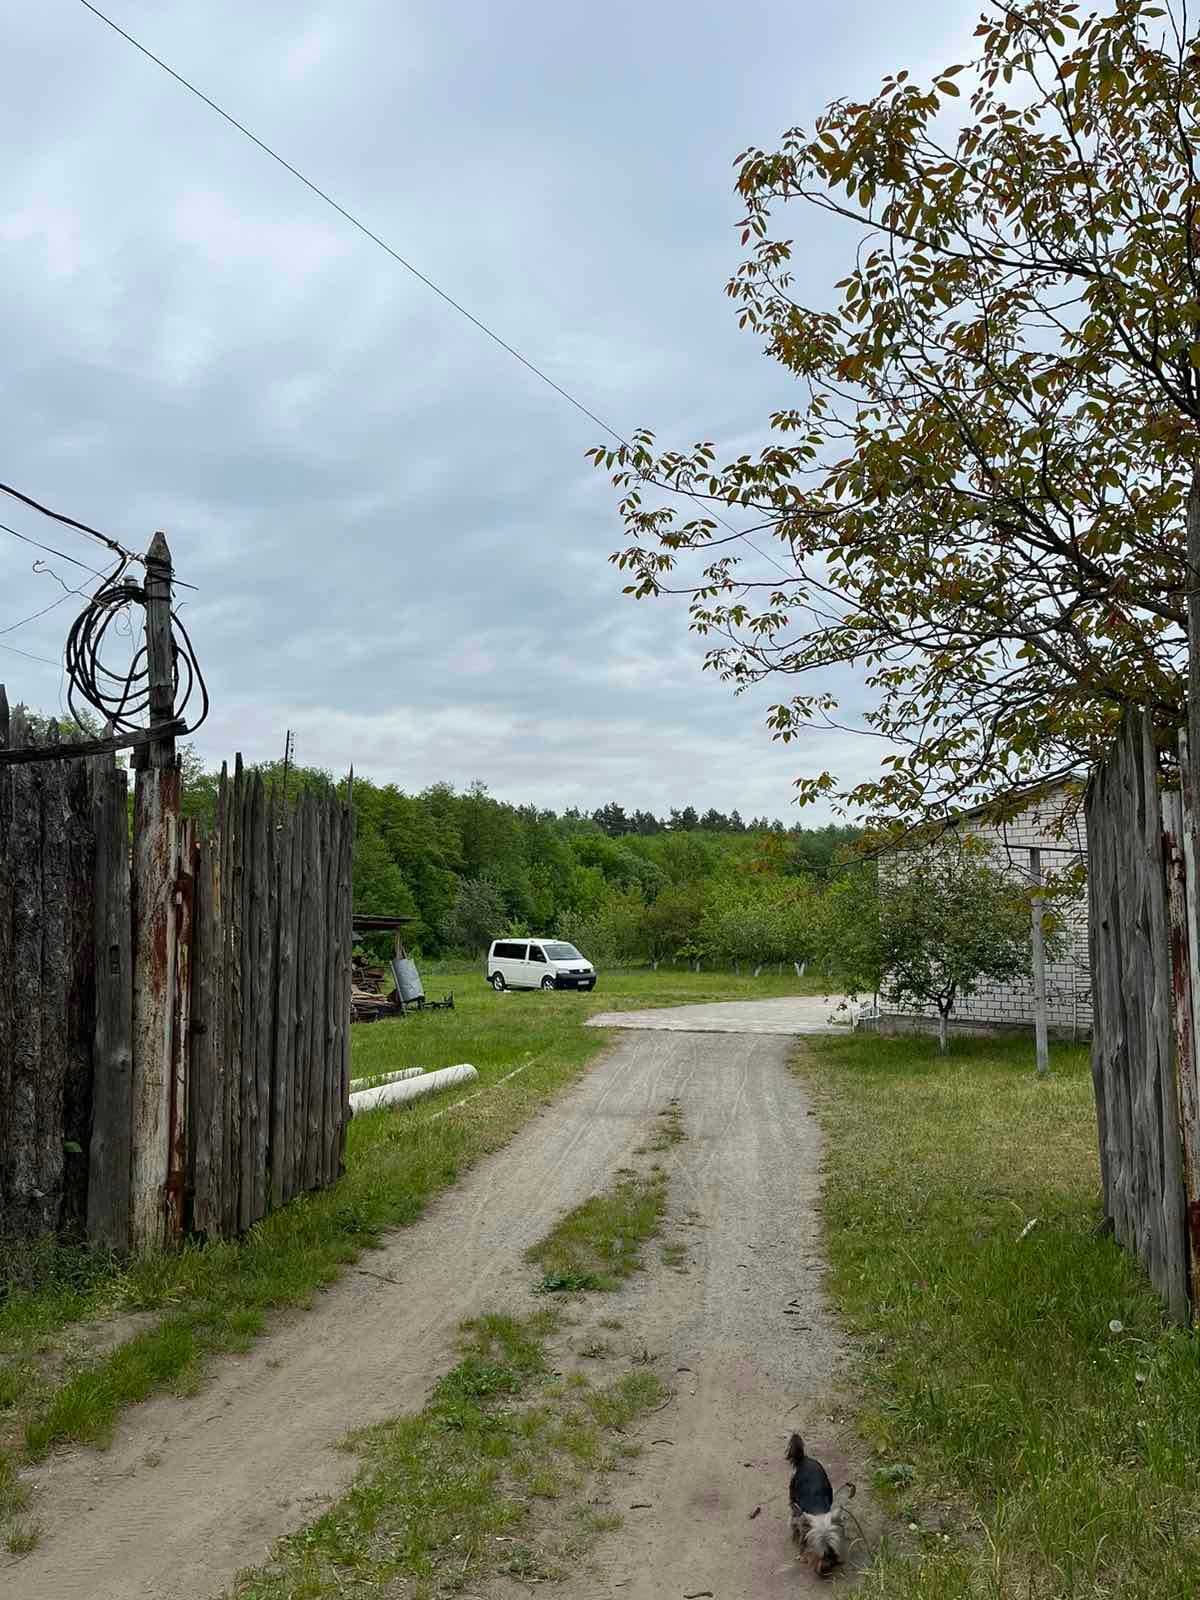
161	922
1038	948
160	656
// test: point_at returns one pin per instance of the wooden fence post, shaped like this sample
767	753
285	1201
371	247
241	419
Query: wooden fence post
155	868
1186	976
108	1147
1038	948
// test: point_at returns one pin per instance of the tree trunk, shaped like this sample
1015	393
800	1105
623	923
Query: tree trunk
943	1041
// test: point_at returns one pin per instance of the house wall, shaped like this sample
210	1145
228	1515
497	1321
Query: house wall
1055	825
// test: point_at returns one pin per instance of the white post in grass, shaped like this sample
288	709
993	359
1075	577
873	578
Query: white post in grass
1038	948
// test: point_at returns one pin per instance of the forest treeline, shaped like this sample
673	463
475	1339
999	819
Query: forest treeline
623	885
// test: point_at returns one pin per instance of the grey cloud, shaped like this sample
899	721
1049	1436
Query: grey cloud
399	548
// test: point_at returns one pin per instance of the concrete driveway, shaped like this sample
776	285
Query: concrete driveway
792	1014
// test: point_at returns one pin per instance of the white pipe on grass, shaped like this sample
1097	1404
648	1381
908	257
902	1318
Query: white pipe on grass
374	1079
397	1094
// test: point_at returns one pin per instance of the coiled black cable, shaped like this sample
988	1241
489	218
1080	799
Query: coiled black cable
122	697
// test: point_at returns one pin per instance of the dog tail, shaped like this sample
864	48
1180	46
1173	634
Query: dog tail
795	1450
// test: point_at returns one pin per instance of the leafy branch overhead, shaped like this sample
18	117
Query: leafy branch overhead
979	496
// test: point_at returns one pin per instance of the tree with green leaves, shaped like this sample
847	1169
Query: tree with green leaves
850	938
980	498
950	920
477	916
670	925
378	884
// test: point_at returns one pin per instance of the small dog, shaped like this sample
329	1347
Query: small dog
818	1516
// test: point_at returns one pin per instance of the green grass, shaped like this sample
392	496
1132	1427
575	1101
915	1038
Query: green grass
218	1297
668	1127
1027	1408
599	1243
462	1491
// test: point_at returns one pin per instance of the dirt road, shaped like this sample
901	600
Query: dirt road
193	1489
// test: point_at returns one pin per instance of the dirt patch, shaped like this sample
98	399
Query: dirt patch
195	1488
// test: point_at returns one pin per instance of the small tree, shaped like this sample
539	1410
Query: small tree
670	924
850	934
949	921
477	917
612	932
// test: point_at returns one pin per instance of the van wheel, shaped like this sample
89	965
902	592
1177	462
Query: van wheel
497	981
548	983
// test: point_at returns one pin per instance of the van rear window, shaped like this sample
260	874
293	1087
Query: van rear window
509	952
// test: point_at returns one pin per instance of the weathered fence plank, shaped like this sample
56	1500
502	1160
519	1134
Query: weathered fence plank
112	1057
263	985
155	844
227	814
1135	1040
289	1027
81	778
284	979
24	1187
52	994
175	1193
1188	1064
331	1059
234	1063
206	1057
315	994
7	969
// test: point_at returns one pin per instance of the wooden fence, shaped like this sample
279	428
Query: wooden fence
46	985
174	1007
1143	899
270	1079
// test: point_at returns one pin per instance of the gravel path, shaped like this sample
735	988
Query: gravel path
791	1015
193	1489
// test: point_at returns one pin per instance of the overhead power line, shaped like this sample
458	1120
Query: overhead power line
68	522
50	550
45	660
395	255
12	627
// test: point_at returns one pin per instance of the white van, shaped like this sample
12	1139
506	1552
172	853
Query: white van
538	964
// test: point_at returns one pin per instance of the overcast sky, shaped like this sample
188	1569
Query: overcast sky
400	550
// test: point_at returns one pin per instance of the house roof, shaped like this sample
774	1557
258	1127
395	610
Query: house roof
1002	809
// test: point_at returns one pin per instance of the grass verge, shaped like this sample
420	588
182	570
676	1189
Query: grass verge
1031	1417
446	1499
599	1243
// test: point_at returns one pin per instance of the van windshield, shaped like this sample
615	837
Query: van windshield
561	952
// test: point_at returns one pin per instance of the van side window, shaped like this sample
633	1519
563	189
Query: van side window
535	953
509	952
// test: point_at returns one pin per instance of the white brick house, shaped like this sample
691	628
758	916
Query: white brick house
1052	821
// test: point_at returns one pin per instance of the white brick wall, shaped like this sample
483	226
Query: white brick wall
1055	825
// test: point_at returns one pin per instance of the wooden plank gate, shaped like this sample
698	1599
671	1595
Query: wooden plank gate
1143	904
174	1007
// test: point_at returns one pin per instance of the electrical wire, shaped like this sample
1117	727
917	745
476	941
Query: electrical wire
51	551
54	604
122	697
12	627
399	259
69	522
45	660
